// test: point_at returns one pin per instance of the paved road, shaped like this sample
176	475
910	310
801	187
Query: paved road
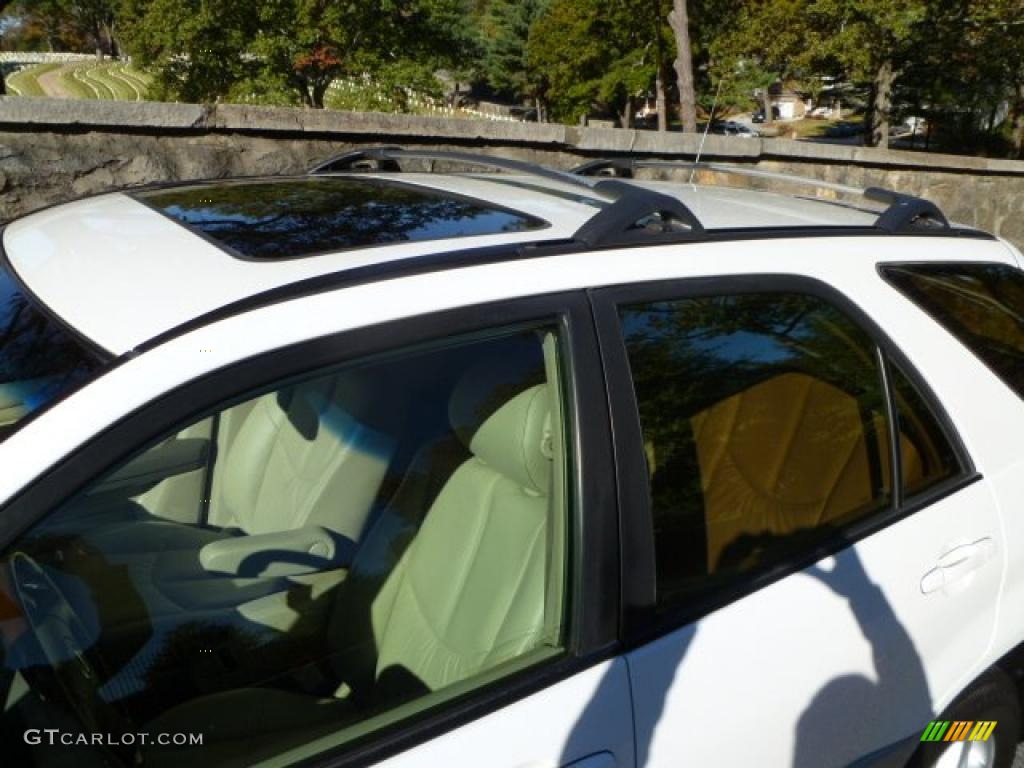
1018	759
51	83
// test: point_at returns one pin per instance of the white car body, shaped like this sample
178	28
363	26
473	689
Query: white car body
731	688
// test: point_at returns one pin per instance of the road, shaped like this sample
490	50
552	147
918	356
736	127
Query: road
51	83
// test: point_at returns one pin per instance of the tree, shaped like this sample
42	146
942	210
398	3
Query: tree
870	42
873	41
52	25
97	19
287	49
758	43
661	69
195	48
679	21
594	54
504	32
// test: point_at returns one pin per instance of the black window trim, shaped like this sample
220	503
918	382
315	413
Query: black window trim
594	551
641	622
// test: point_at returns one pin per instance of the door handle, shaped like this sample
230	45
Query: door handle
956	564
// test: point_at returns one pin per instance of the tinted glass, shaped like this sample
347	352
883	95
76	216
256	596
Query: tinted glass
764	427
39	359
300	569
277	219
980	304
926	452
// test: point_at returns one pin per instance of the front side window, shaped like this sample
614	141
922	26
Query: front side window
981	304
39	359
300	568
764	426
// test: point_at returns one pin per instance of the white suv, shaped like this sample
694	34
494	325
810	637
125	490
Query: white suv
529	469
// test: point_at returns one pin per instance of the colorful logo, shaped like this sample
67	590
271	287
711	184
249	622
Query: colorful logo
958	730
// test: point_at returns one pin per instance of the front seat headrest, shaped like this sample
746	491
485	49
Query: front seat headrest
516	440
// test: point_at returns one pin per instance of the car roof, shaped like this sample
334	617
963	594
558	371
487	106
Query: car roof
124	268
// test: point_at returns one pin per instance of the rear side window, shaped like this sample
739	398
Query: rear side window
767	432
927	456
981	304
764	424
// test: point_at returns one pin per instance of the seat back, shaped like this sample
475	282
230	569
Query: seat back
786	454
301	457
468	592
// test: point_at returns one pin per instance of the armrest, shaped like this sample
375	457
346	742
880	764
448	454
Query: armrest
309	549
175	457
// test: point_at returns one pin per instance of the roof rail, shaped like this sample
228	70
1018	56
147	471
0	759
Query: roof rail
903	214
387	159
635	214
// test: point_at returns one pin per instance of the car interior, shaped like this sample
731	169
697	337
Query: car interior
302	561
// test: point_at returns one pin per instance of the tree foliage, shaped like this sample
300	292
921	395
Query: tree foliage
209	49
504	30
957	63
594	54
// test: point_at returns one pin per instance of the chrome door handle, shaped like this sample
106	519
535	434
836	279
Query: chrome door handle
957	563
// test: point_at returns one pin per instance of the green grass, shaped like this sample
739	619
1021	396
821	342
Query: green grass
110	80
74	86
87	76
25	82
127	84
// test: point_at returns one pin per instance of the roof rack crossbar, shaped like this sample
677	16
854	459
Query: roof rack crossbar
906	213
638	215
903	213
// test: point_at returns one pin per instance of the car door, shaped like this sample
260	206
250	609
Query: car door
804	580
472	621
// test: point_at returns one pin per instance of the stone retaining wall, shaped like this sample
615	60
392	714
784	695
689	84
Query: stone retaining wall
53	150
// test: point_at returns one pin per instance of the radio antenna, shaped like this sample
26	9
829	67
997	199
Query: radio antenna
707	127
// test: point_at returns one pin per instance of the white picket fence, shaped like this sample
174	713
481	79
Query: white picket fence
418	101
32	57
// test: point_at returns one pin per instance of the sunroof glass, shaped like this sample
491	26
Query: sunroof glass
284	218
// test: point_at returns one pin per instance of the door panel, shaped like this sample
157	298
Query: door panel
828	664
811	544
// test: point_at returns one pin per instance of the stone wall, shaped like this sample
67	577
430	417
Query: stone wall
53	150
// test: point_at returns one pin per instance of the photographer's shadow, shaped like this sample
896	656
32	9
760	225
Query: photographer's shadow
853	709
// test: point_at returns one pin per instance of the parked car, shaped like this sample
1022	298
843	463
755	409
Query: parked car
733	128
374	466
759	115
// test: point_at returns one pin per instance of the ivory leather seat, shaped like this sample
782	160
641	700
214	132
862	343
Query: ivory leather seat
294	458
466	594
